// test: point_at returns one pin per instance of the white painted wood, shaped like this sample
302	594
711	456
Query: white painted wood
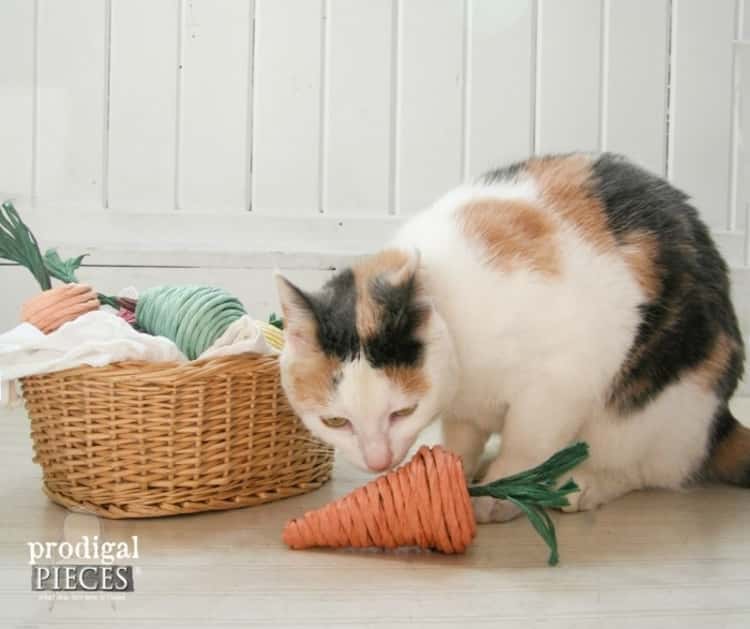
741	300
568	94
430	101
501	67
18	285
204	232
700	116
635	80
122	256
740	175
143	103
287	108
357	125
16	99
732	246
213	161
71	102
358	108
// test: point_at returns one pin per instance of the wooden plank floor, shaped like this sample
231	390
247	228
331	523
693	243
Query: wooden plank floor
652	559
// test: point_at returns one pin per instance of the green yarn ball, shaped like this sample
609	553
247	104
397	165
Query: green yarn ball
191	316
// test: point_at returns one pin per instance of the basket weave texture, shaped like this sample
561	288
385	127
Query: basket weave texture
137	439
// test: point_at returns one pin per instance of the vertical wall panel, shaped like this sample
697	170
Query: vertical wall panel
286	125
213	161
700	117
569	75
741	165
16	99
430	127
71	102
358	113
634	116
500	83
143	101
740	196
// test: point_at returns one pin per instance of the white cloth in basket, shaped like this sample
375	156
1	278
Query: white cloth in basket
99	338
244	335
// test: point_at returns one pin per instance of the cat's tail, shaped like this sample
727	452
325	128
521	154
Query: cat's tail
729	460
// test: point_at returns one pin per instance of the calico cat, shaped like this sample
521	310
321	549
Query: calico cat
565	298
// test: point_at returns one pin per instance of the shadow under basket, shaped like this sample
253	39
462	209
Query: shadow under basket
138	439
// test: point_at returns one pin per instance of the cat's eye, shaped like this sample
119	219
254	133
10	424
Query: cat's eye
335	422
403	412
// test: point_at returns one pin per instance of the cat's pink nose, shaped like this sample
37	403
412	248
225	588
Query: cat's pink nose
380	461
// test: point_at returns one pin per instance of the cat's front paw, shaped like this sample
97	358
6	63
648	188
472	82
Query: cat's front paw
587	497
488	509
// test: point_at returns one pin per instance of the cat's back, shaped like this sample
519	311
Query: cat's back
550	217
537	222
563	253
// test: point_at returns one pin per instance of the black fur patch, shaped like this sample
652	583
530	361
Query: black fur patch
507	173
395	343
334	309
680	326
723	425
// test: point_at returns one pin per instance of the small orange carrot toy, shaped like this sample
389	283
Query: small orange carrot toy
51	308
426	503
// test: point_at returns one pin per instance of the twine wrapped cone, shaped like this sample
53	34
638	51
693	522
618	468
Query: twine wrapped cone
424	503
51	308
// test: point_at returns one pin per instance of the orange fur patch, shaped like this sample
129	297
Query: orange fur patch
730	458
387	261
713	368
311	374
410	379
640	250
312	377
565	185
512	232
625	389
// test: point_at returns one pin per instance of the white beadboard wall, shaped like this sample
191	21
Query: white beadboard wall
212	140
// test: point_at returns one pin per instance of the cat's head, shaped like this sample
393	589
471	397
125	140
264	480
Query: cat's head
368	362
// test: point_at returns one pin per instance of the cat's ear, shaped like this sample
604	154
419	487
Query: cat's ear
407	271
299	316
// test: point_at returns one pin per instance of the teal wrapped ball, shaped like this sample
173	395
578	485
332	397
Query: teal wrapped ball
191	316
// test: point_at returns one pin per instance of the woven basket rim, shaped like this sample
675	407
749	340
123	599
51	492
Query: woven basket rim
161	371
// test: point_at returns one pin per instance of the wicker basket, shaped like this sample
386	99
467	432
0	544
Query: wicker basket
136	439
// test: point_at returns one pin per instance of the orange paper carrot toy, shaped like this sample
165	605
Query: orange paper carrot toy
426	503
50	309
